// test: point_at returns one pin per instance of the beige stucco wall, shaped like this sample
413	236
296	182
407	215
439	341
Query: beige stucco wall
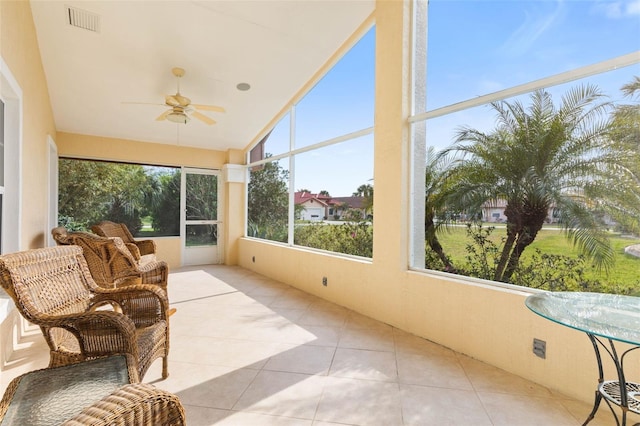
96	147
480	319
19	50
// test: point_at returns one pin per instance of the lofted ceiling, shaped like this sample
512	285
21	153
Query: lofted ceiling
112	82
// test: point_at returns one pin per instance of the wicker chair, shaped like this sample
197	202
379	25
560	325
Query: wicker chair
138	248
110	262
53	288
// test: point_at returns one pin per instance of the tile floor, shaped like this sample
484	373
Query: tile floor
247	350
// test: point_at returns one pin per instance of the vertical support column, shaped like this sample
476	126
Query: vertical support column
391	138
235	179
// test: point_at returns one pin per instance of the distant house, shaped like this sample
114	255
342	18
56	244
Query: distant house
315	206
493	211
324	207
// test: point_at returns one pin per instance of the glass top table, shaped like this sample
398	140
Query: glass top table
51	395
605	318
610	316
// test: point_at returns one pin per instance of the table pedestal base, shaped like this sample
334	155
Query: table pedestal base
621	393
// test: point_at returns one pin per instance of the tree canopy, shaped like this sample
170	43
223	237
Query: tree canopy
92	191
268	205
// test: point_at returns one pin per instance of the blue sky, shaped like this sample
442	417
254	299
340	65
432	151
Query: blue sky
475	47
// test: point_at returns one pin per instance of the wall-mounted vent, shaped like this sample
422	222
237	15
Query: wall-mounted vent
83	19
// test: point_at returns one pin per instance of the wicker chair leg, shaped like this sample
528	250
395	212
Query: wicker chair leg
165	367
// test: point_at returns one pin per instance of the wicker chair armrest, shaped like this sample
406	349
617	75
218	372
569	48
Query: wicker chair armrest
78	320
134	250
155	272
146	246
8	395
154	264
95	328
134	404
144	304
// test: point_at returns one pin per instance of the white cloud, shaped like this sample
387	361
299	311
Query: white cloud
633	8
618	9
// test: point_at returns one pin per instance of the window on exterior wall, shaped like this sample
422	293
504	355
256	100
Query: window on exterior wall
319	192
330	220
145	198
525	134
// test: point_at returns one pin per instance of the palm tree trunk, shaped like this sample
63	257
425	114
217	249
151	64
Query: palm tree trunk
514	260
437	248
505	255
533	225
431	239
514	226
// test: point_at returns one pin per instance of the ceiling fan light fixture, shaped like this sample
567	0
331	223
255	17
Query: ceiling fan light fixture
178	117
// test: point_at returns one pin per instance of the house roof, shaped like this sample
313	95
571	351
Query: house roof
112	82
353	202
302	197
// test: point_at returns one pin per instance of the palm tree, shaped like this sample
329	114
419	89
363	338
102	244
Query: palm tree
536	159
365	191
435	204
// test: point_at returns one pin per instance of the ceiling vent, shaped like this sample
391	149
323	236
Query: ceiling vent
83	19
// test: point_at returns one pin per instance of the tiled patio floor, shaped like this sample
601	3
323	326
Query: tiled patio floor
247	350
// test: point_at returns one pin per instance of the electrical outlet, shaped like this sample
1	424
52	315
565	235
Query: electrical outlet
540	348
324	281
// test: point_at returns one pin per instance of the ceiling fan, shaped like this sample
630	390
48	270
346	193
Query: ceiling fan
181	109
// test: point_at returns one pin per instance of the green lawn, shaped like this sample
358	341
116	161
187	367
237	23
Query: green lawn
551	240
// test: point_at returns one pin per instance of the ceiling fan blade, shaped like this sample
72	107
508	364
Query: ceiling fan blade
183	101
171	100
163	116
209	108
203	118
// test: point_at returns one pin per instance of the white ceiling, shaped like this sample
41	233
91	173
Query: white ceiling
275	46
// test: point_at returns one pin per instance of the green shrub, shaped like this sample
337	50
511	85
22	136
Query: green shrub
432	260
555	272
271	231
483	254
347	238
